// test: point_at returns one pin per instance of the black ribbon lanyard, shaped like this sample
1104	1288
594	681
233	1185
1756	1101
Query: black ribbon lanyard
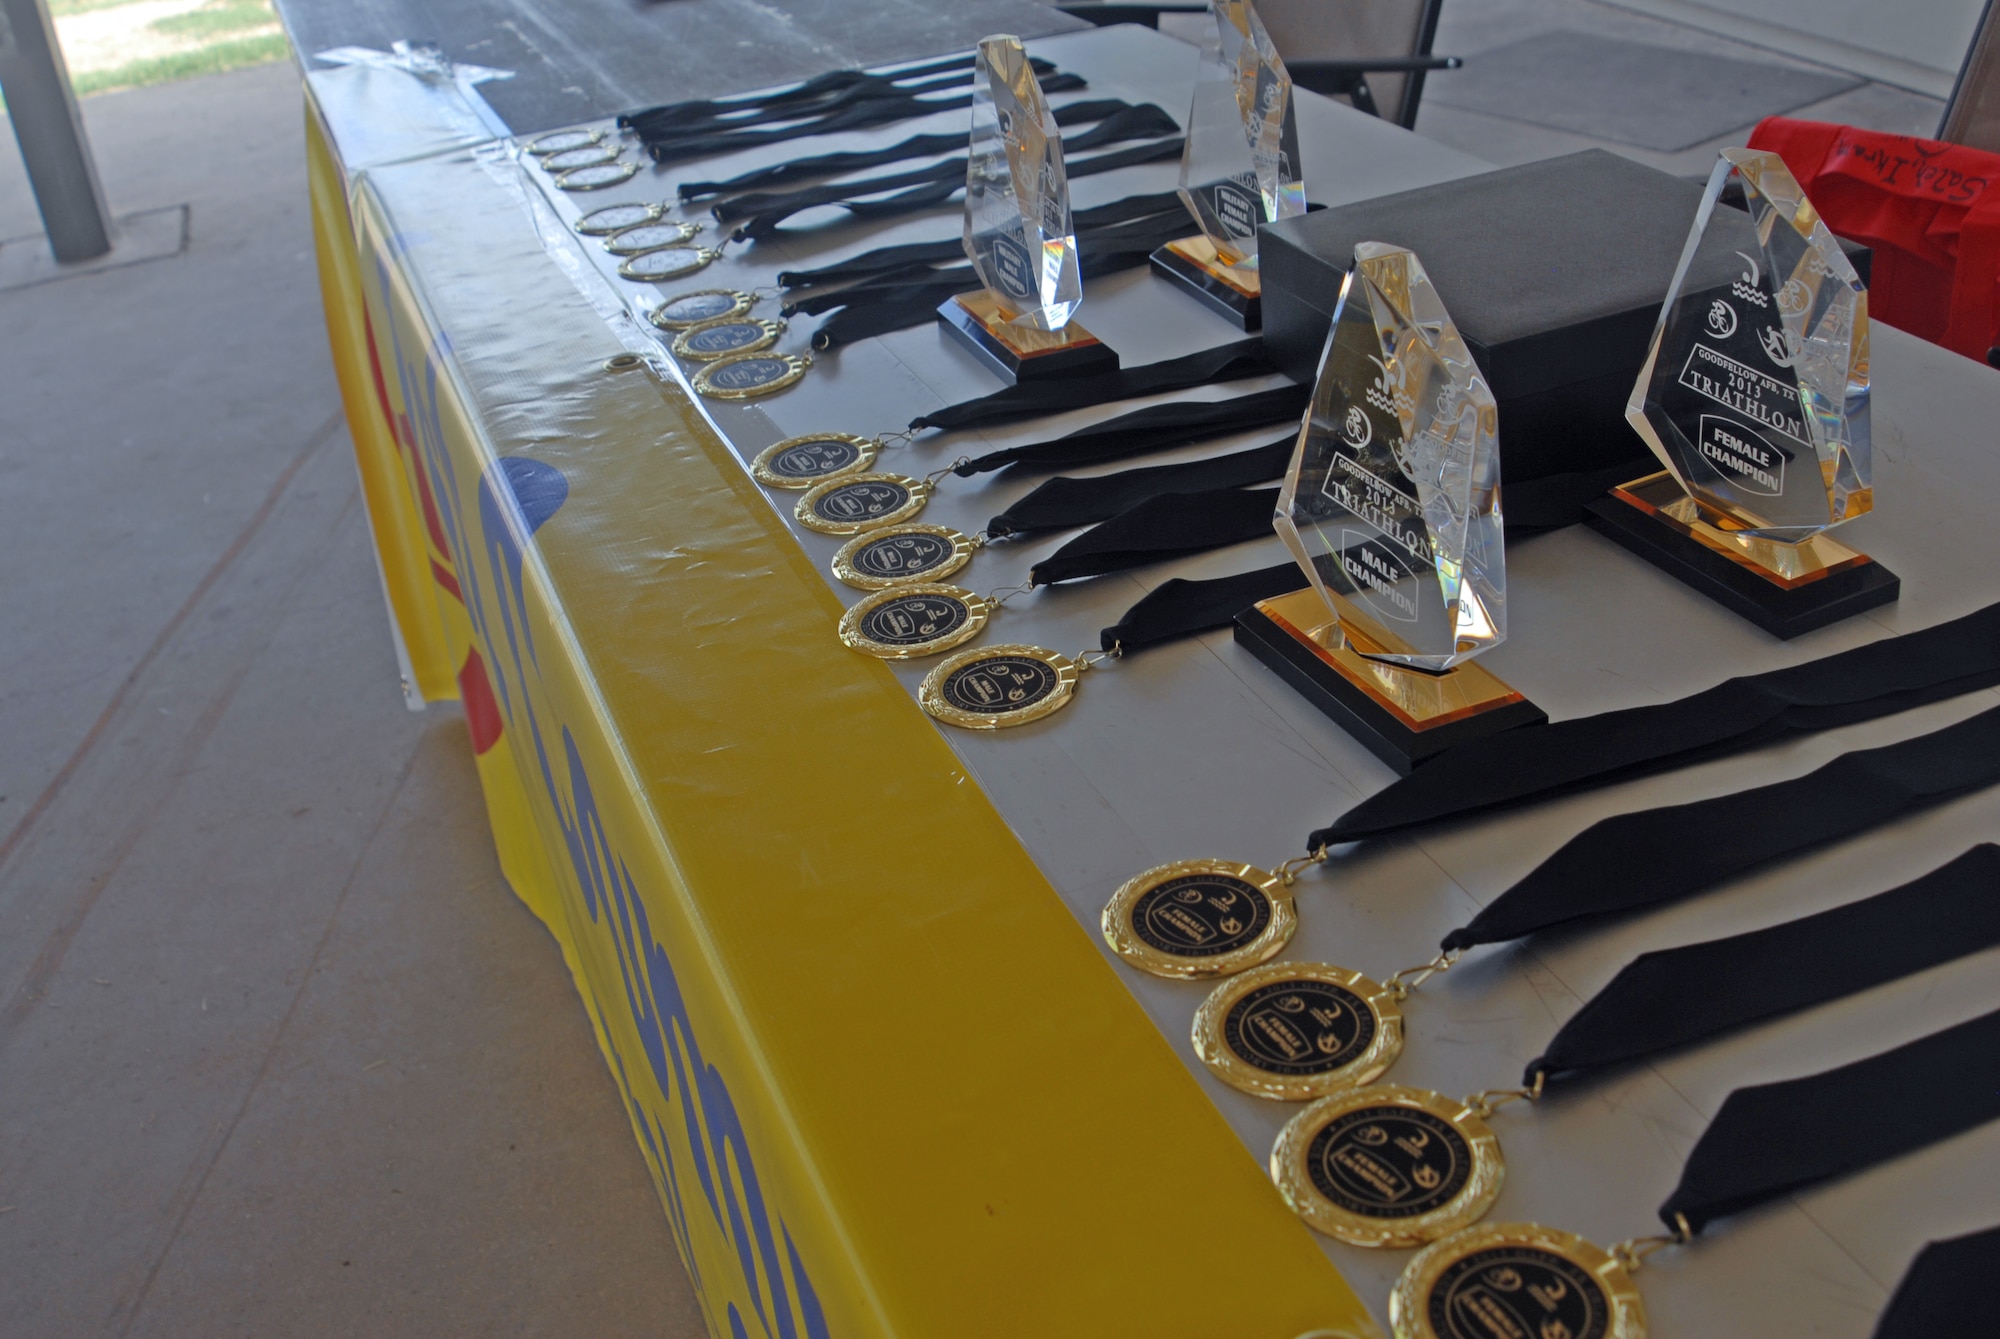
1948	1293
1171	525
1648	1007
1776	1138
675	146
1657	857
812	92
1182	608
916	146
1029	399
1880	679
1159	427
1064	503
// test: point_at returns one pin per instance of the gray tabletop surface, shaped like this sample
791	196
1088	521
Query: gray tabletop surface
1196	749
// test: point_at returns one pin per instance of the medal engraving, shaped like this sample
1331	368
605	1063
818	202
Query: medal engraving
849	505
906	621
749	375
1387	1166
902	555
561	141
587	155
722	338
649	237
997	687
1199	918
1515	1279
669	262
801	462
616	218
1299	1027
699	308
1293	1031
596	177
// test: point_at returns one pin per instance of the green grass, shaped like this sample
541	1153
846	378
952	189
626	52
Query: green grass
212	59
217	18
79	6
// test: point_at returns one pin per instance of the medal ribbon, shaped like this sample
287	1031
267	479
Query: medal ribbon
1157	427
916	146
1064	503
1648	1008
1948	1293
795	98
1029	399
1776	1138
1885	677
1635	861
1171	525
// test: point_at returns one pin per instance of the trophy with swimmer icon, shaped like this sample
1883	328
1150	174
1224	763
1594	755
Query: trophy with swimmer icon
1392	509
1240	168
1754	396
1019	232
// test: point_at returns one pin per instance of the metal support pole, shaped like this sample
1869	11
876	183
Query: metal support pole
49	127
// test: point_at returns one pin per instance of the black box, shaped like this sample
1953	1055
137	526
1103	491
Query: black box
1554	273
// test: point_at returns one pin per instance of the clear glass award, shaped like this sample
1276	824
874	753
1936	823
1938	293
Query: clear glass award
1754	396
1392	509
1241	165
1019	232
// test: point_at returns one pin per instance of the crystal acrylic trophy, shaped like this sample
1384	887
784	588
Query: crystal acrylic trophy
1240	167
1392	508
1754	395
1019	232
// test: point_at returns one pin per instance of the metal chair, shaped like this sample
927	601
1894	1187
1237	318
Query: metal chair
1972	116
1374	53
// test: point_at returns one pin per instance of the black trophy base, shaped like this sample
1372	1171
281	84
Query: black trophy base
1404	717
1832	582
979	323
1233	294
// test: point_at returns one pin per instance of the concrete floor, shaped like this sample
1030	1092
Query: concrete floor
279	1053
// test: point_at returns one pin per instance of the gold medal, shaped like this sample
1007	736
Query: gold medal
652	235
561	141
667	262
1198	918
616	218
723	339
850	504
686	310
905	622
802	462
995	687
1516	1278
596	177
584	155
1388	1166
1293	1031
750	375
899	555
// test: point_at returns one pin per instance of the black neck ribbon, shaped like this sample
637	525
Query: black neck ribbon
1777	1138
1159	427
1649	1007
1182	608
676	145
812	92
1165	526
1948	1292
1657	857
916	146
1030	399
1064	503
1879	679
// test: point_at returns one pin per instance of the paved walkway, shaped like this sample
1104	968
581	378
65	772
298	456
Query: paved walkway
279	1052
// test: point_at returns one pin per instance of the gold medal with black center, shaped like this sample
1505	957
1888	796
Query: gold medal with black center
995	687
654	235
803	462
1515	1279
902	555
617	218
1295	1031
1387	1166
723	339
850	504
1198	918
683	311
583	155
562	141
596	177
905	622
749	375
667	262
